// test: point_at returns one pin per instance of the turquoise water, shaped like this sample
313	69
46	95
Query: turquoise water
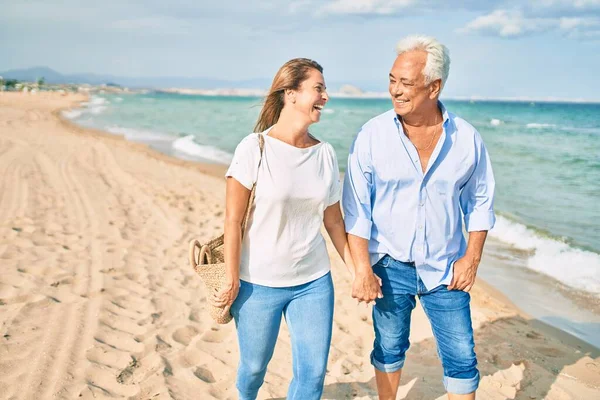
546	159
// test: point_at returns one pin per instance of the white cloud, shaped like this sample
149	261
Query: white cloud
506	23
578	19
568	24
580	28
383	8
377	7
577	4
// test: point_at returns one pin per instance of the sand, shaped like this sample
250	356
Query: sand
97	299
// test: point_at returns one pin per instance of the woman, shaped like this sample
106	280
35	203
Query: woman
282	266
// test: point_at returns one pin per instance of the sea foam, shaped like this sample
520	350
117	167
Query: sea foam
188	146
535	125
139	135
72	114
574	267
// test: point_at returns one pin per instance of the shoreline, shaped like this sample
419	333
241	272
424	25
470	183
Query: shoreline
213	169
97	287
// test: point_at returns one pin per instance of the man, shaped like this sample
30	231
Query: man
411	171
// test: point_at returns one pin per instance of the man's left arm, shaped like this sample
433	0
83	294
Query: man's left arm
477	204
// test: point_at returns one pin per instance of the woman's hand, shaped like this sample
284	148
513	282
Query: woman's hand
225	297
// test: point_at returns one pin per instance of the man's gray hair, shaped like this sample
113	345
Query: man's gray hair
438	56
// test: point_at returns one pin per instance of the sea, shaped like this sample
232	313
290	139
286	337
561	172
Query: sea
544	252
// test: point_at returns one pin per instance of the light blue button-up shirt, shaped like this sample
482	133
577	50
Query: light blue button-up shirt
411	215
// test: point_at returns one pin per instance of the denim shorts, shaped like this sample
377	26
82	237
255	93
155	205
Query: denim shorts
449	314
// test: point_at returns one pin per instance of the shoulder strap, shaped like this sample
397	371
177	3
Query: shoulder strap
261	145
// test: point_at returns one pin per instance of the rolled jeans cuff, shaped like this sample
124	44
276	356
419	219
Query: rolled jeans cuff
461	385
387	368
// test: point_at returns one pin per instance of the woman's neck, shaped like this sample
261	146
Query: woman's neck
291	131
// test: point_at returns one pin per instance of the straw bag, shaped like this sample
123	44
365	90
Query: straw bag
208	260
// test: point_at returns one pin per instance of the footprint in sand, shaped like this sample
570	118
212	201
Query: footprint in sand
185	335
347	367
594	367
212	336
195	316
126	375
534	335
550	352
161	345
33	116
342	327
504	384
204	375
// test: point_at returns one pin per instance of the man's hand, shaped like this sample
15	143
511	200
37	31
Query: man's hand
465	270
366	287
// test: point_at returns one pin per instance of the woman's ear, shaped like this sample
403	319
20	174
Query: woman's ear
291	95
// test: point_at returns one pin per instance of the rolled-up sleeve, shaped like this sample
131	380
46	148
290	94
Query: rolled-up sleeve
356	197
477	196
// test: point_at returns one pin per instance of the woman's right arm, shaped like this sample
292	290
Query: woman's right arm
236	201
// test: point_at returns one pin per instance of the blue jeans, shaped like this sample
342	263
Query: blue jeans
308	312
449	314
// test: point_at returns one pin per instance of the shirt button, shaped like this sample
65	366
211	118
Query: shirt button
420	226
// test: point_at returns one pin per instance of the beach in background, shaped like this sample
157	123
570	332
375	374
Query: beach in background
97	299
544	252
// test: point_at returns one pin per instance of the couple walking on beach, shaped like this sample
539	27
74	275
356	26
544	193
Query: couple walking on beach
412	171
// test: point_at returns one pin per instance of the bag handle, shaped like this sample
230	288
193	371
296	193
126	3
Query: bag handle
261	145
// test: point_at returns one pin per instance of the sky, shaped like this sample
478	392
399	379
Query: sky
499	49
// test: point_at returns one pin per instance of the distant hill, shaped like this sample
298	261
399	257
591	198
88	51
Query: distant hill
33	74
52	76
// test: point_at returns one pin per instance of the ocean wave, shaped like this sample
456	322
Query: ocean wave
95	106
188	146
97	110
539	126
97	101
139	135
72	114
495	122
573	129
570	129
328	110
573	267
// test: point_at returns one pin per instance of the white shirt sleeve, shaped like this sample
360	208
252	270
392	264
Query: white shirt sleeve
244	166
335	191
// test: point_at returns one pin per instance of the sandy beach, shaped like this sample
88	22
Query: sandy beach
97	299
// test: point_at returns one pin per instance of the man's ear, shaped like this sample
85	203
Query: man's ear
435	88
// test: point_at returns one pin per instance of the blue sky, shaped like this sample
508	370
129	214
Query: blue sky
536	49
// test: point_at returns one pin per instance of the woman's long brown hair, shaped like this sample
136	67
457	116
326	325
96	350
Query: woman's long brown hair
290	76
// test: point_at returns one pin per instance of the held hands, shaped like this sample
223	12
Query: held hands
366	287
465	270
225	297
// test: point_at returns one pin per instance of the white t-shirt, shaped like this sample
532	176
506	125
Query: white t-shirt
283	245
